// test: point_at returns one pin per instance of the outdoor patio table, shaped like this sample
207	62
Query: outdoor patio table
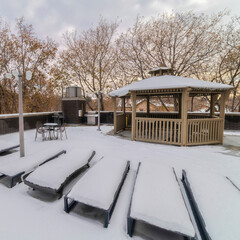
51	127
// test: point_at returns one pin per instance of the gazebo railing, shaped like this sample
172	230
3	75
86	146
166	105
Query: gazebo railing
158	130
169	131
204	131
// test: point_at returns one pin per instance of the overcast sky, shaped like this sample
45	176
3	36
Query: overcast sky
53	17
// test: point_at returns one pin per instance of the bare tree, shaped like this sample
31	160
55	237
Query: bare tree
226	66
7	93
133	54
23	50
91	56
187	42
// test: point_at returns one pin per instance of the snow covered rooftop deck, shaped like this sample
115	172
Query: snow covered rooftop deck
169	82
157	200
28	215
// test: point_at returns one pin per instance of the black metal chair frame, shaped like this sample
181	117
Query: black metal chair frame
108	213
194	207
130	221
8	149
238	188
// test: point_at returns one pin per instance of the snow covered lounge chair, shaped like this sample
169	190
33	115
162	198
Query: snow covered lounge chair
99	187
215	203
8	148
157	200
14	167
53	176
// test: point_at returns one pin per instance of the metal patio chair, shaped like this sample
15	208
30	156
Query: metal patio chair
40	130
60	131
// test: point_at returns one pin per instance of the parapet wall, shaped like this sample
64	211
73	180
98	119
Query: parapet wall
9	122
232	121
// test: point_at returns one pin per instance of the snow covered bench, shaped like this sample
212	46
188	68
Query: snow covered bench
14	167
157	200
7	147
53	176
99	187
216	204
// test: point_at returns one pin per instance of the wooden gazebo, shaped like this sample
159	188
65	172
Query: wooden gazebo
178	128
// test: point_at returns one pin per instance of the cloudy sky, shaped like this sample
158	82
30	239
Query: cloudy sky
53	17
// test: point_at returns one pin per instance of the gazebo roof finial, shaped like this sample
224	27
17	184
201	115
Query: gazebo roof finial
162	70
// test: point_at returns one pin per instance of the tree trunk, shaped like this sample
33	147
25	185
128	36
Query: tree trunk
175	99
164	105
192	104
234	99
102	103
89	106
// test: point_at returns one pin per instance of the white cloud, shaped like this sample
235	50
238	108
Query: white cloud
33	6
54	17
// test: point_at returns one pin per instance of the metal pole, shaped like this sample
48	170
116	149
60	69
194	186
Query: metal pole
99	103
21	123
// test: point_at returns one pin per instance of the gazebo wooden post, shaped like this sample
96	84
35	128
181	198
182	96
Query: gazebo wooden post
212	106
133	98
184	108
179	97
224	97
123	105
124	111
148	107
115	114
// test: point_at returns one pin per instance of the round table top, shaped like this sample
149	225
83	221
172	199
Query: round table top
50	124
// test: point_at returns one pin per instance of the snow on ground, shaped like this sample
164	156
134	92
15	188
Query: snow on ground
231	133
27	215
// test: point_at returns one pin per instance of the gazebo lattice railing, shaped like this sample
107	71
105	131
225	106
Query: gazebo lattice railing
168	130
159	130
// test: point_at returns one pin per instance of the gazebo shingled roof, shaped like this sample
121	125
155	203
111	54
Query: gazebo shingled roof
169	82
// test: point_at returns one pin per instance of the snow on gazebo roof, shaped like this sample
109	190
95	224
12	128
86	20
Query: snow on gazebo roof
169	82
